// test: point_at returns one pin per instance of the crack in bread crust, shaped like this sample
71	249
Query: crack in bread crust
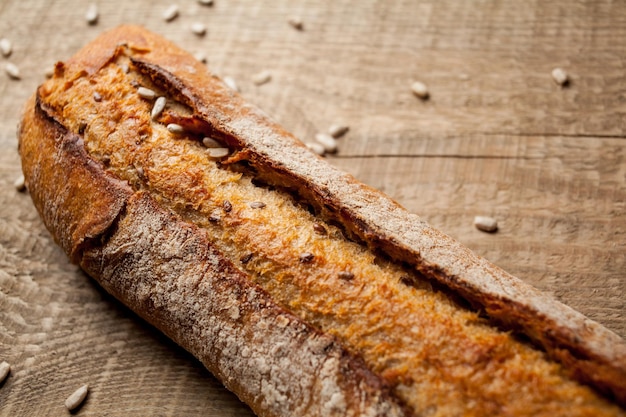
169	273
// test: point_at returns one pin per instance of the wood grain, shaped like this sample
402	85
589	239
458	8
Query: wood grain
496	137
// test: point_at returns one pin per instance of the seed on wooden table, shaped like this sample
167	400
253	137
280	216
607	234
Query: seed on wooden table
338	131
49	72
262	77
157	109
5	47
560	76
328	142
420	90
12	71
76	399
170	13
5	369
230	82
20	183
206	2
217	153
486	223
175	128
316	148
146	93
296	22
198	29
201	56
257	205
211	143
91	16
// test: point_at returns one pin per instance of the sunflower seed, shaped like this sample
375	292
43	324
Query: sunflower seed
257	205
346	275
76	399
337	131
328	142
230	82
5	369
420	90
218	153
296	22
316	148
175	128
262	77
5	47
170	13
485	223
246	258
20	183
211	143
198	29
146	93
306	257
91	16
12	70
320	229
49	72
560	76
201	56
158	107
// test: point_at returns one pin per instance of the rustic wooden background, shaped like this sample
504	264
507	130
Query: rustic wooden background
497	137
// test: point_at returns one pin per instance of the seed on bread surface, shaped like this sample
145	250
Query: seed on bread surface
217	153
175	128
211	143
159	106
146	93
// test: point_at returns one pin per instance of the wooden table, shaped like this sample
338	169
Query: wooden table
497	137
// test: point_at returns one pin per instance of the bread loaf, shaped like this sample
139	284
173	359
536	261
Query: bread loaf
304	291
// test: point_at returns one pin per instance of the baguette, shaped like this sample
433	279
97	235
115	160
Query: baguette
304	291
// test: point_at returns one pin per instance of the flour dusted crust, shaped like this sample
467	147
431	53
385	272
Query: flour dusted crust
166	271
130	205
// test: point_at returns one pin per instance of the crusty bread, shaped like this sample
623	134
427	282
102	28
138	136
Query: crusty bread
244	260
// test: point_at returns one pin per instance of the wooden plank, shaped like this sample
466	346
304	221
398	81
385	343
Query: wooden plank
496	137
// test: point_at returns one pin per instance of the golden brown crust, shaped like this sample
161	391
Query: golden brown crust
167	272
590	352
